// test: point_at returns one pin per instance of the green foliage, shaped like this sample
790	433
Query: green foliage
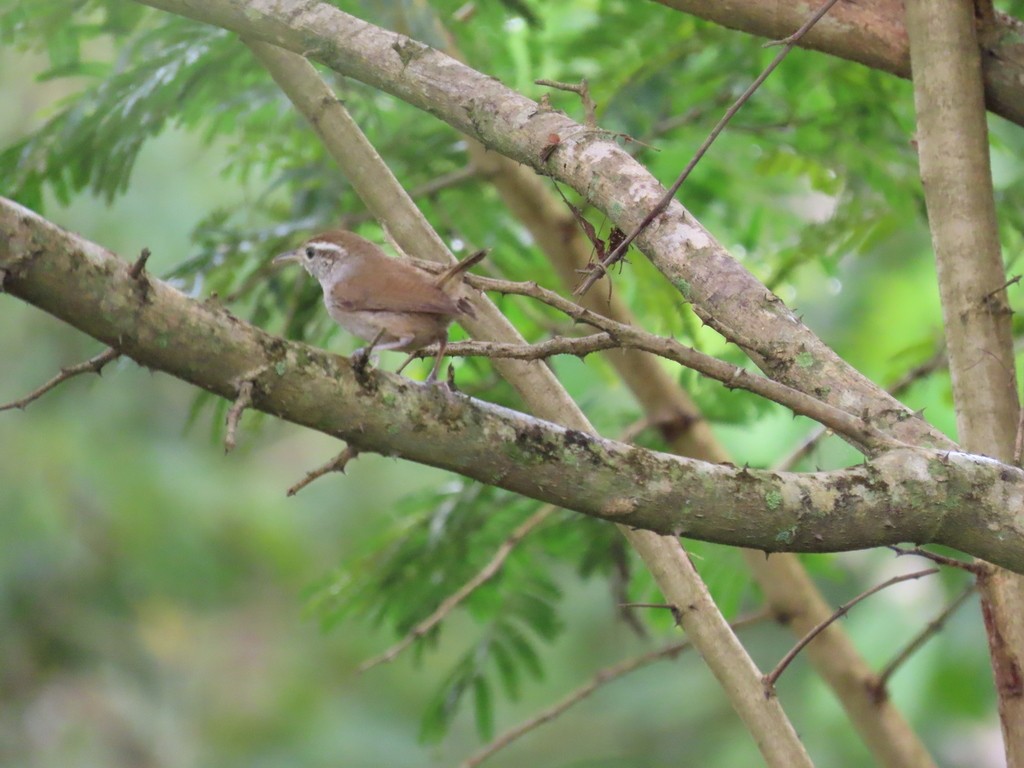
814	187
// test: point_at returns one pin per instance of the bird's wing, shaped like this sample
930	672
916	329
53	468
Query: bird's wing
403	288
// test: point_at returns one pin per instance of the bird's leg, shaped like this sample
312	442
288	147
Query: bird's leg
442	344
361	357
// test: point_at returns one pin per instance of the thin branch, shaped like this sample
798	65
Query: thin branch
92	365
603	677
932	628
337	464
976	567
582	90
622	335
939	360
449	604
243	401
600	269
773	676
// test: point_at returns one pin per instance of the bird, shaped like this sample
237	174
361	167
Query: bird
387	302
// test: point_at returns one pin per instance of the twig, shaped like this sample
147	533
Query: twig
582	90
603	677
628	336
977	567
243	401
92	365
773	676
897	388
1012	281
932	628
449	604
600	269
337	464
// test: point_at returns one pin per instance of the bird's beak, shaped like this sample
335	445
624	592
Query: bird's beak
287	256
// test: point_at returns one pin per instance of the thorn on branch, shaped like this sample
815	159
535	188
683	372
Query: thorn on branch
337	464
92	365
243	401
137	269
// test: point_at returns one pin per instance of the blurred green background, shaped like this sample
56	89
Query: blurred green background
155	593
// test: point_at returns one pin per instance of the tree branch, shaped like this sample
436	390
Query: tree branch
874	33
953	150
969	502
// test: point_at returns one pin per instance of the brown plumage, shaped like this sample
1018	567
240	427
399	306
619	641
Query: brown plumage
388	302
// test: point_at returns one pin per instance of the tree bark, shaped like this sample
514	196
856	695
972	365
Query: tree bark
952	139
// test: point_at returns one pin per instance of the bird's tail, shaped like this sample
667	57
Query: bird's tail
457	269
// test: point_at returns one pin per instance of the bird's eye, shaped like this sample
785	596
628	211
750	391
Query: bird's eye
309	252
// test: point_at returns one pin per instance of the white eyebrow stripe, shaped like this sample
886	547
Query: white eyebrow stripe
324	245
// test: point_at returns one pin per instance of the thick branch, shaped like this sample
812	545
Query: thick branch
968	502
953	147
872	32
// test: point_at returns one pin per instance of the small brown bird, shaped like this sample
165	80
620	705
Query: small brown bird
387	302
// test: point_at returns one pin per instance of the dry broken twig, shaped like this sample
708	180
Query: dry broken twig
243	401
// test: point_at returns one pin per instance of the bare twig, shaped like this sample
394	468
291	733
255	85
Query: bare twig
603	677
932	628
598	270
92	365
582	90
976	567
628	336
447	605
772	677
243	401
337	464
1012	281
